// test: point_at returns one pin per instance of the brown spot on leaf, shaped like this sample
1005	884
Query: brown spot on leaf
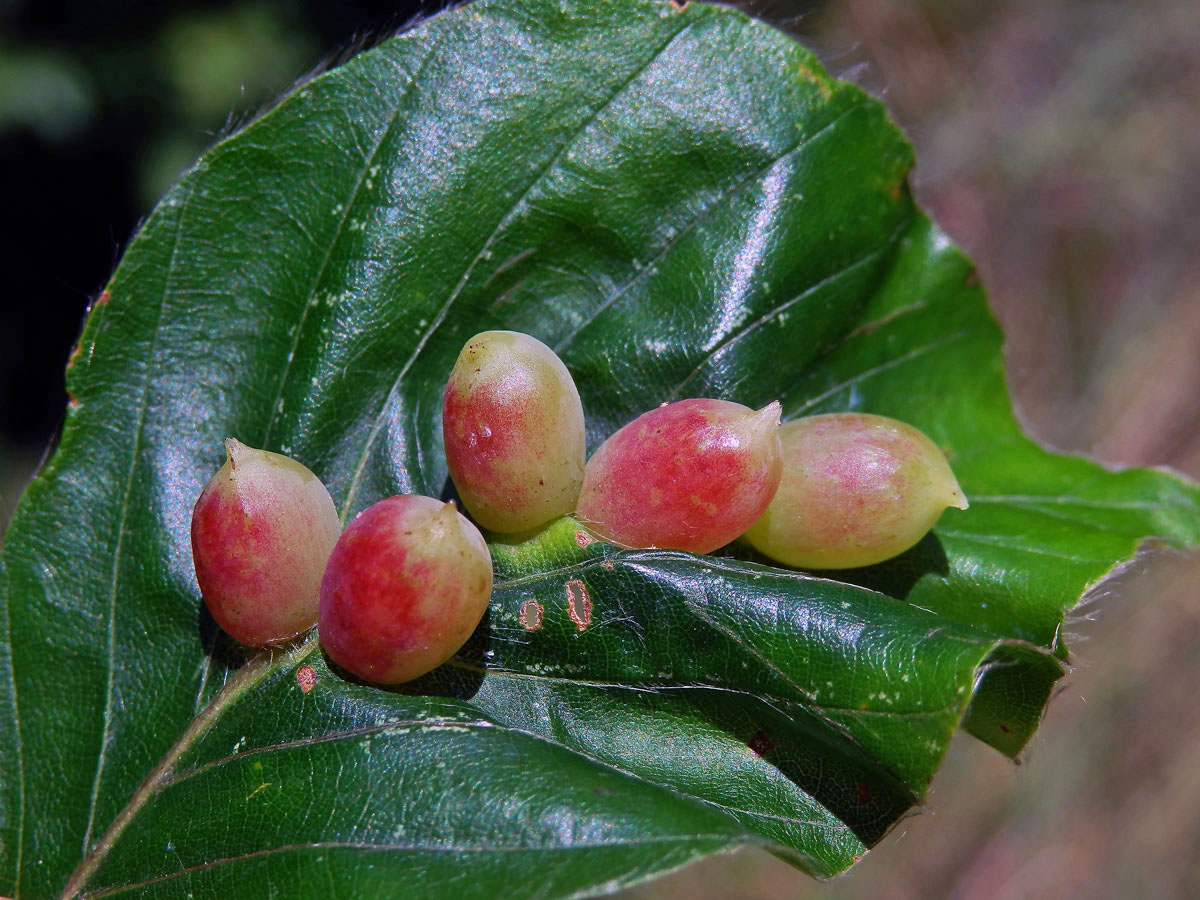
103	298
306	677
531	615
579	604
583	539
679	5
1005	728
864	794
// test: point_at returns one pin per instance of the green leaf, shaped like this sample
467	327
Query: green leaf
682	203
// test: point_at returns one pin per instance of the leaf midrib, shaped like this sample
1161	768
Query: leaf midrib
255	671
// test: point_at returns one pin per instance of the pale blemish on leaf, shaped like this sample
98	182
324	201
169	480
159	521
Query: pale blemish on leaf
531	615
821	84
579	604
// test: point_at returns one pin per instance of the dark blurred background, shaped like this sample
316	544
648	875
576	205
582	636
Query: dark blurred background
1058	141
103	103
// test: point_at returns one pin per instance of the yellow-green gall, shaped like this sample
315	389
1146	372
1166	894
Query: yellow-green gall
512	423
857	489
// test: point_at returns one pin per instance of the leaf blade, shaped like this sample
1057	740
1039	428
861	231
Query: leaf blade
623	180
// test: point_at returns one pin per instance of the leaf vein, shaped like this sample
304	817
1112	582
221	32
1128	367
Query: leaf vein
504	221
452	724
1027	500
328	737
1022	548
678	792
701	215
776	311
139	428
273	412
403	848
893	363
339	233
259	668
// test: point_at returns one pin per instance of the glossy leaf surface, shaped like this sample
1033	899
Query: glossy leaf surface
681	203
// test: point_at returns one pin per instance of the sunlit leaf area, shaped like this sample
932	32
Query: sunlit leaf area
281	223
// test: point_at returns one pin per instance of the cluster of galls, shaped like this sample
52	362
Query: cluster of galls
396	593
402	588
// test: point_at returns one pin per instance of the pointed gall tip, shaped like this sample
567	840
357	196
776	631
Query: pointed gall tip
235	451
448	514
771	412
957	498
765	421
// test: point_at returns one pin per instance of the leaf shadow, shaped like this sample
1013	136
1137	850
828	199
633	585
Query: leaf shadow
450	494
898	576
218	646
895	577
821	760
459	678
868	803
